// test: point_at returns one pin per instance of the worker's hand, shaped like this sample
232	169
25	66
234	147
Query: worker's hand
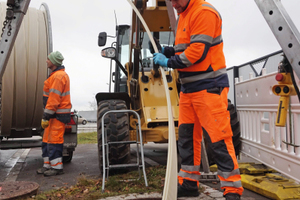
160	59
44	123
159	47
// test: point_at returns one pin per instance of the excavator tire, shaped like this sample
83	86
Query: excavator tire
117	127
235	126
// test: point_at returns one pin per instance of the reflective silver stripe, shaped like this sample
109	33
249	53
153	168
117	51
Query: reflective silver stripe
185	60
55	91
63	110
181	47
201	38
57	163
191	168
235	184
65	94
51	112
46	162
188	175
206	75
217	40
210	6
46	93
228	174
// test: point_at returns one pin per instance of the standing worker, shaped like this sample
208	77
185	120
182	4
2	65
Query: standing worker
57	112
199	58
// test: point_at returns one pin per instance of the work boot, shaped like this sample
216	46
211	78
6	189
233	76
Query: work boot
187	193
232	196
42	170
53	172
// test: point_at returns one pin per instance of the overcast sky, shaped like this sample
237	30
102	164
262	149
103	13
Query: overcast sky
76	25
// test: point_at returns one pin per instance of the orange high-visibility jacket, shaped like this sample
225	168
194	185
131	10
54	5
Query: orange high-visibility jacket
198	48
56	96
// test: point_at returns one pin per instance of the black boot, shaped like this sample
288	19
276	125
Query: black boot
187	193
232	196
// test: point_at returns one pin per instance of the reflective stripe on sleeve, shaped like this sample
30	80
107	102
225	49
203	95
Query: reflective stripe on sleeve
201	39
181	47
45	93
65	94
55	91
185	60
63	110
205	75
51	112
210	6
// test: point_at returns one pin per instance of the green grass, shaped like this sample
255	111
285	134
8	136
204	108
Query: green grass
87	138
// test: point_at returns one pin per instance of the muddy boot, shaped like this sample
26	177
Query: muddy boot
232	196
187	193
42	170
53	172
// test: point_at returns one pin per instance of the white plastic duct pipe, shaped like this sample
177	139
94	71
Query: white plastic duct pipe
170	188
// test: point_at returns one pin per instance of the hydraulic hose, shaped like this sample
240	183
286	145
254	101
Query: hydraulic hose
170	187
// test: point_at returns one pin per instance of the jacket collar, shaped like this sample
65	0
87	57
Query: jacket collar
57	69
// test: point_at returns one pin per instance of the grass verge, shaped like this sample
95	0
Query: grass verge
87	138
90	189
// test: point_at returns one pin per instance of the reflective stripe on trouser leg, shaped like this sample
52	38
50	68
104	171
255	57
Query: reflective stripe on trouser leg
189	145
211	109
46	162
45	155
55	155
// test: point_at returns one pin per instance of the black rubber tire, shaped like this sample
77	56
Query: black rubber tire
235	126
84	122
67	159
117	130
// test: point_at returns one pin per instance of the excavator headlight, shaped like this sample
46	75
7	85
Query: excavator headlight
109	52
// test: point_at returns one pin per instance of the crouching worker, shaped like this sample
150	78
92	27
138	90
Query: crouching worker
57	112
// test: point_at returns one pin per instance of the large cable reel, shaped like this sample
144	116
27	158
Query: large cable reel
22	84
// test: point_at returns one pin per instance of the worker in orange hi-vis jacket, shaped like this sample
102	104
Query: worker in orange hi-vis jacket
57	112
198	56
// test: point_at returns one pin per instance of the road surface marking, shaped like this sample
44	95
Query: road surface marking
15	164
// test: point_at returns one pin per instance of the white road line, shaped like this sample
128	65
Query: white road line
15	164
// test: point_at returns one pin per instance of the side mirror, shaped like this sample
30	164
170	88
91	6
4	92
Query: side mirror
102	39
109	52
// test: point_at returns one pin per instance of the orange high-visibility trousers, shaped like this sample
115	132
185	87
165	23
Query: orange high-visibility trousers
207	109
52	146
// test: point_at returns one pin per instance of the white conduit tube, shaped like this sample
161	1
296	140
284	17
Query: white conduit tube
170	188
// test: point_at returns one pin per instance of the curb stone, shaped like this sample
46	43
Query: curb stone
208	194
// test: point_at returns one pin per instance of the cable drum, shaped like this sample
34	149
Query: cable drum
22	82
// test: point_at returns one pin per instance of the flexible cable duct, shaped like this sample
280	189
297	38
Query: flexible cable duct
170	188
26	71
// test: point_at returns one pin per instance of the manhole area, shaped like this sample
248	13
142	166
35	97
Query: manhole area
10	190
